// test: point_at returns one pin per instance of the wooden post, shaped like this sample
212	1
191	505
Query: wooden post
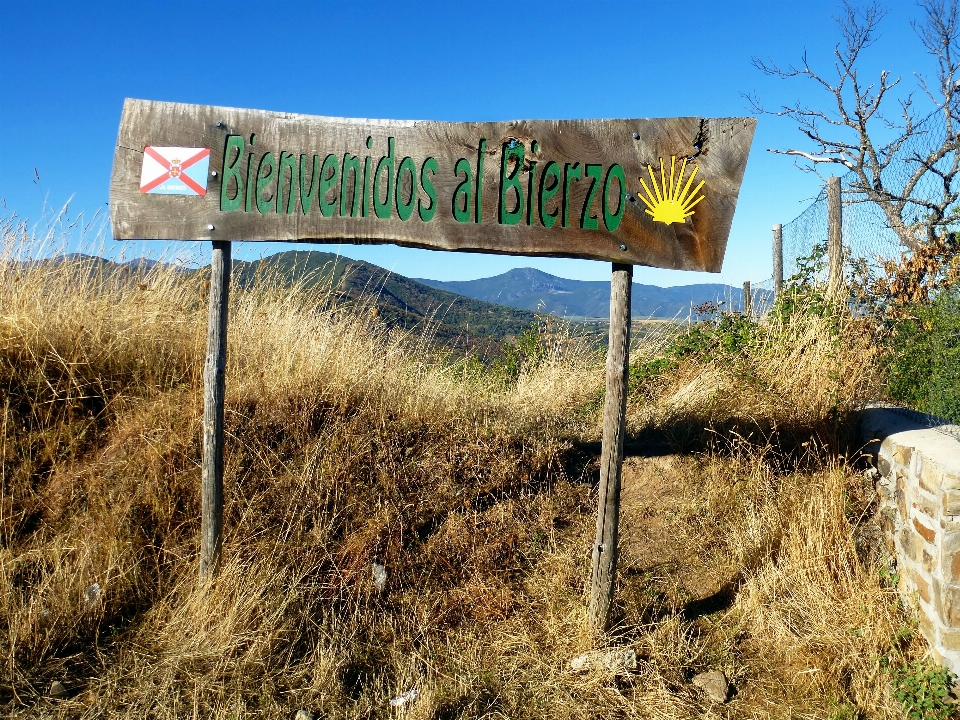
747	300
834	237
605	549
777	259
214	384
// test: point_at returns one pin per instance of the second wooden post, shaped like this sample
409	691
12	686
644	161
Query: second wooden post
214	387
605	551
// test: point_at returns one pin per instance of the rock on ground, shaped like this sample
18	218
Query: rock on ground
714	684
615	661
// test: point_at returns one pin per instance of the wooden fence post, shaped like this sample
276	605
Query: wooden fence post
834	237
777	260
605	551
214	386
747	300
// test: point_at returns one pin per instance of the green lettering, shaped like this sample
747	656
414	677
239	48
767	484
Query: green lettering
350	162
511	151
307	194
531	201
552	170
426	214
289	161
478	206
612	220
570	172
465	189
251	177
382	208
231	172
405	209
365	206
588	221
329	182
268	162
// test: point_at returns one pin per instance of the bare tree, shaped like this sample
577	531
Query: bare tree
855	133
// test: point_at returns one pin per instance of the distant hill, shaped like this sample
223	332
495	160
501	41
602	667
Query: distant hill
401	301
531	289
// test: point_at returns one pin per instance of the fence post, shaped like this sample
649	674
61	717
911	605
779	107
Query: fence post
214	387
777	259
605	550
747	300
834	237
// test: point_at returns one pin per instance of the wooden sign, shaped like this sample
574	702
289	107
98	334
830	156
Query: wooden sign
634	192
656	192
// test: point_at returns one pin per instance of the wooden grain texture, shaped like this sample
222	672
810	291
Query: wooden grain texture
718	148
605	547
834	236
214	387
777	259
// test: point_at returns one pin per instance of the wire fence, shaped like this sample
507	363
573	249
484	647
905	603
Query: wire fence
867	236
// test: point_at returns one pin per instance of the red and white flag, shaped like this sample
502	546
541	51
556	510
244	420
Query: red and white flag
175	170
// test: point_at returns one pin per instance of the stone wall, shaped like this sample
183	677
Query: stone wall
919	487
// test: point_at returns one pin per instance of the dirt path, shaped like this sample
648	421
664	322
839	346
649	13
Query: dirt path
662	537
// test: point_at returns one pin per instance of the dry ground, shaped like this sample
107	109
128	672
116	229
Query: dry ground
747	543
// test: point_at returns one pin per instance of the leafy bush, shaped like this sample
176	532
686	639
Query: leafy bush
923	367
922	688
717	333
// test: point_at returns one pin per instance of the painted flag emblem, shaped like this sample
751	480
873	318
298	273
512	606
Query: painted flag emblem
175	170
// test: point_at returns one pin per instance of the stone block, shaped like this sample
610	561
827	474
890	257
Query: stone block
948	524
900	494
888	528
949	481
902	454
927	533
927	506
947	603
883	465
950	501
929	476
920	584
911	543
950	557
949	639
927	625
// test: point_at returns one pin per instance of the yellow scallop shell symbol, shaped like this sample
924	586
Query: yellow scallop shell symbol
667	204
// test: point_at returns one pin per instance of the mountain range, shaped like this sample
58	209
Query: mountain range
467	314
531	289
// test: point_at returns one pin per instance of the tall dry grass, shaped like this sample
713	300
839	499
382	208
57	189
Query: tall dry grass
349	444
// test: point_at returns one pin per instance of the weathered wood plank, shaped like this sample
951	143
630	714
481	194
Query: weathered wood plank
718	148
605	547
214	390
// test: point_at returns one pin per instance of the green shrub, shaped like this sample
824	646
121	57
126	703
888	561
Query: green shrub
923	366
922	688
716	334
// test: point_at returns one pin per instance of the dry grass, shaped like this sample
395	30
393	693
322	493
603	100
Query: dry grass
348	444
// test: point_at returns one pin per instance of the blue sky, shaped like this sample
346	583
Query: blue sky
65	69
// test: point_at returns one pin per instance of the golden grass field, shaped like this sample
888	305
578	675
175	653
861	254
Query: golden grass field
748	538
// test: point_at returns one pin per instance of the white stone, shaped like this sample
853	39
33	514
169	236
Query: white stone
58	690
615	661
303	714
379	576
